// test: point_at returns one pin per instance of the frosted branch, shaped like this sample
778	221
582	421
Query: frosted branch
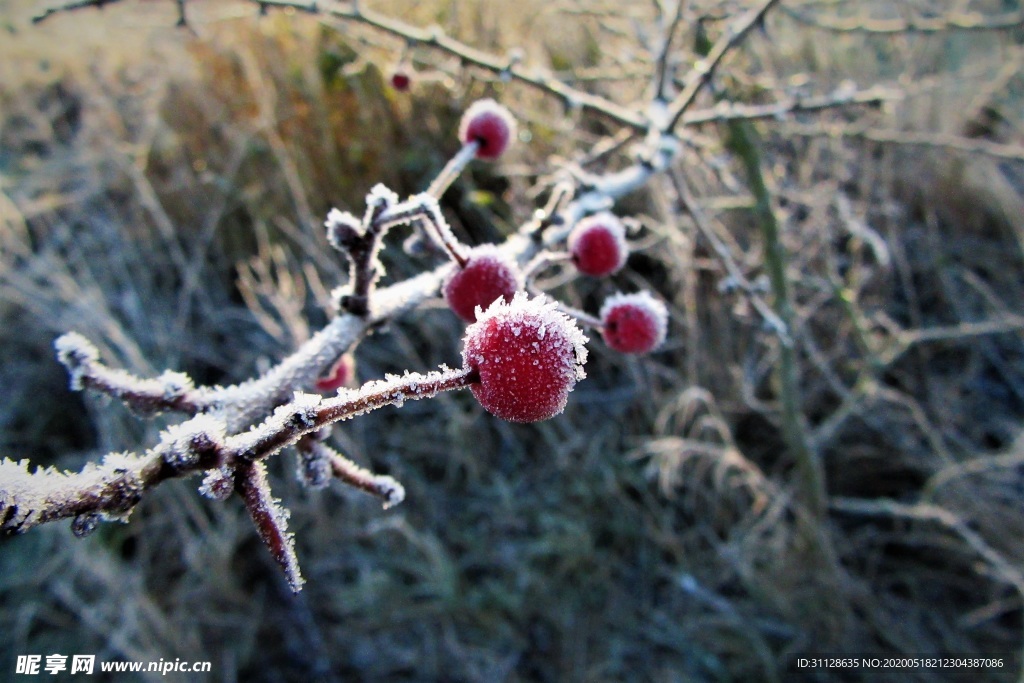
909	138
318	463
736	276
842	97
170	391
108	490
701	73
271	520
112	488
950	21
502	66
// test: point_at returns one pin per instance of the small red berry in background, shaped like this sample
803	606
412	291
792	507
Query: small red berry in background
341	374
528	356
485	277
634	323
400	80
489	124
598	245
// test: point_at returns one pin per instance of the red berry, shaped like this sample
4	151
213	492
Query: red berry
528	356
634	323
486	277
489	124
400	81
598	245
341	374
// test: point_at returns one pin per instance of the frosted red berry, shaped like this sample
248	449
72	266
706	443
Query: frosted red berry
490	125
528	356
634	323
400	80
486	276
598	245
341	374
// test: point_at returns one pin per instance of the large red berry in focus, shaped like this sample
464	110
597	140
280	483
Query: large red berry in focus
634	323
528	356
598	245
489	124
486	277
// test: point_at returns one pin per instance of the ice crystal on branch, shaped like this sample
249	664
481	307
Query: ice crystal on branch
218	484
77	354
193	444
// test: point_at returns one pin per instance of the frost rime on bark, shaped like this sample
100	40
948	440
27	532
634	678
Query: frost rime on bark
270	518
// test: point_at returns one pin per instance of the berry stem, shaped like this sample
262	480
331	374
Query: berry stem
442	235
582	317
541	261
543	219
293	421
453	169
390	391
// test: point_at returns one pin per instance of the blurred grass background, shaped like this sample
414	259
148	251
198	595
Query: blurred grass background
162	192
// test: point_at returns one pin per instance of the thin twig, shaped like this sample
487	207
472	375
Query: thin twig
689	204
701	73
71	7
842	97
468	55
962	21
270	519
913	139
661	62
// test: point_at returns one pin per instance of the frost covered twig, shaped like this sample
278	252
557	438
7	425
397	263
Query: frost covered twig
909	138
170	391
319	463
434	38
702	72
688	204
115	486
947	21
270	518
841	97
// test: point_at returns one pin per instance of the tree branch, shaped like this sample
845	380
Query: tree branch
701	73
962	21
